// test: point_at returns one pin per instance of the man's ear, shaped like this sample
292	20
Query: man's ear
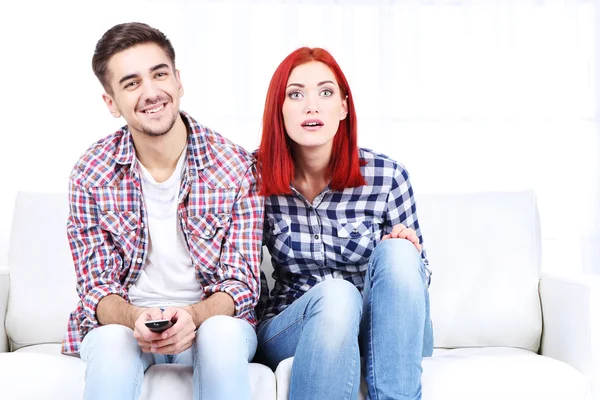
344	112
111	105
178	77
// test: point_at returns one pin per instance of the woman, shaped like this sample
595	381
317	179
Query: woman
351	277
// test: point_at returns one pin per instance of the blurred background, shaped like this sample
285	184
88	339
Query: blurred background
470	95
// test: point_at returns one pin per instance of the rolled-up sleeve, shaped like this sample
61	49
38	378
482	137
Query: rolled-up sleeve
97	261
239	275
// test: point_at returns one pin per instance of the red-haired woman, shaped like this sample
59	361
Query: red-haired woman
351	277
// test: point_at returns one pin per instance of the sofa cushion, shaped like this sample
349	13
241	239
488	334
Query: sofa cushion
484	373
41	372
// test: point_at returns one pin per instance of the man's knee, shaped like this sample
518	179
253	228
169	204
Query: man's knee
220	329
109	338
225	337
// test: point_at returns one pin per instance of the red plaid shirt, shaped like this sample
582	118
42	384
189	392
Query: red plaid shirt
219	210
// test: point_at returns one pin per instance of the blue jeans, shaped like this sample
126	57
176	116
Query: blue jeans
219	356
332	325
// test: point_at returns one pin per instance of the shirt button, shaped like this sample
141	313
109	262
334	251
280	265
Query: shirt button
316	236
206	232
139	260
142	224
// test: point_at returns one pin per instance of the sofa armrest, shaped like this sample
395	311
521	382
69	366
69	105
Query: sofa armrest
4	286
571	323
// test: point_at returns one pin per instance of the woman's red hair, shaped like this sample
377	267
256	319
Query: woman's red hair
275	161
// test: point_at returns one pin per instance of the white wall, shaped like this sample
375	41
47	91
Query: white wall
466	103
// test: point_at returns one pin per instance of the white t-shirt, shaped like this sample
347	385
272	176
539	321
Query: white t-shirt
168	277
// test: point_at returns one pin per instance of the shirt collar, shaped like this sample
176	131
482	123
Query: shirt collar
198	148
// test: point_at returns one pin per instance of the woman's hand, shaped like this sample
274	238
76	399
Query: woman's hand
401	232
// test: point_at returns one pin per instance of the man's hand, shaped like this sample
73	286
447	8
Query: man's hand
401	232
145	337
177	338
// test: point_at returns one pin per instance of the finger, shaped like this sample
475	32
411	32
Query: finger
177	347
396	230
169	313
152	314
385	237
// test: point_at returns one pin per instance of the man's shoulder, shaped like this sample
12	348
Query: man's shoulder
226	161
98	165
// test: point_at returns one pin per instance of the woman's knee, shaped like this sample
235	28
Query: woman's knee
399	261
336	302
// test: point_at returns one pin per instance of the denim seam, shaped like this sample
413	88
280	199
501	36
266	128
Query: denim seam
353	379
137	378
284	329
370	359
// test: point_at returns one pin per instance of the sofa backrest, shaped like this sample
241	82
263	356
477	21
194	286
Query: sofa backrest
484	250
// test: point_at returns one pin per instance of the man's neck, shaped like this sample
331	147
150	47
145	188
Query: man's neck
159	154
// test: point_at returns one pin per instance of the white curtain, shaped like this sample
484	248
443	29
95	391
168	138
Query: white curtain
468	95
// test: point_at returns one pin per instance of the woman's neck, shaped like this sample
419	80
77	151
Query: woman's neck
311	170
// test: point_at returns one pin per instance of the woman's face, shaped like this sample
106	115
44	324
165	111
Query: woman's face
313	106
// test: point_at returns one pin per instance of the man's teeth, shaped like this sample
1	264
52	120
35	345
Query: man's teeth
154	110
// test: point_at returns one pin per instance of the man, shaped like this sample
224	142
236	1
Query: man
165	224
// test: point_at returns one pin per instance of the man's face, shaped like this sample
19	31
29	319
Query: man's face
146	89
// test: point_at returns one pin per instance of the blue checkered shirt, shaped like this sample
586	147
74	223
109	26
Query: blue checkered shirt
335	235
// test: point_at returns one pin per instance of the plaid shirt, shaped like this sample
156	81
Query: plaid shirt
335	235
219	210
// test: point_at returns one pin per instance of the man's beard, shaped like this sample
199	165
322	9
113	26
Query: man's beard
162	131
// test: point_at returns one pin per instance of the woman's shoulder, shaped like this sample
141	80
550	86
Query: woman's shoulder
378	163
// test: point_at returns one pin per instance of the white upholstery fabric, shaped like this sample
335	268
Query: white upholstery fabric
572	322
492	373
42	277
484	250
4	285
41	372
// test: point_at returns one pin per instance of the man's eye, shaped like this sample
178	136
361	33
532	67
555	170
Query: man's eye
295	95
161	74
130	85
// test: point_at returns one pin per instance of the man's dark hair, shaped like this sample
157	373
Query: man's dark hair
121	37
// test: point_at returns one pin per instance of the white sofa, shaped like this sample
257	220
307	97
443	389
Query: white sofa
501	331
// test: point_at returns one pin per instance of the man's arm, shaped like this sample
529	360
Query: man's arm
113	309
95	257
238	289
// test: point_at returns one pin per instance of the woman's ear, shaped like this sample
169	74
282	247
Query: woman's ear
344	112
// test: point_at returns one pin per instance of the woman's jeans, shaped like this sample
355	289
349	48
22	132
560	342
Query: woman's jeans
219	356
332	325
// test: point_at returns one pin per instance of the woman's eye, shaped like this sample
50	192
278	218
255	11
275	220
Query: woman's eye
326	92
295	95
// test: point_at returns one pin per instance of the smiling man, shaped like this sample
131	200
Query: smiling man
165	224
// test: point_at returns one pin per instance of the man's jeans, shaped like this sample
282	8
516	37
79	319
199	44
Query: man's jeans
332	325
220	355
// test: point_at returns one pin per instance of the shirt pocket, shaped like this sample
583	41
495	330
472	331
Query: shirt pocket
123	229
280	238
355	241
205	235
